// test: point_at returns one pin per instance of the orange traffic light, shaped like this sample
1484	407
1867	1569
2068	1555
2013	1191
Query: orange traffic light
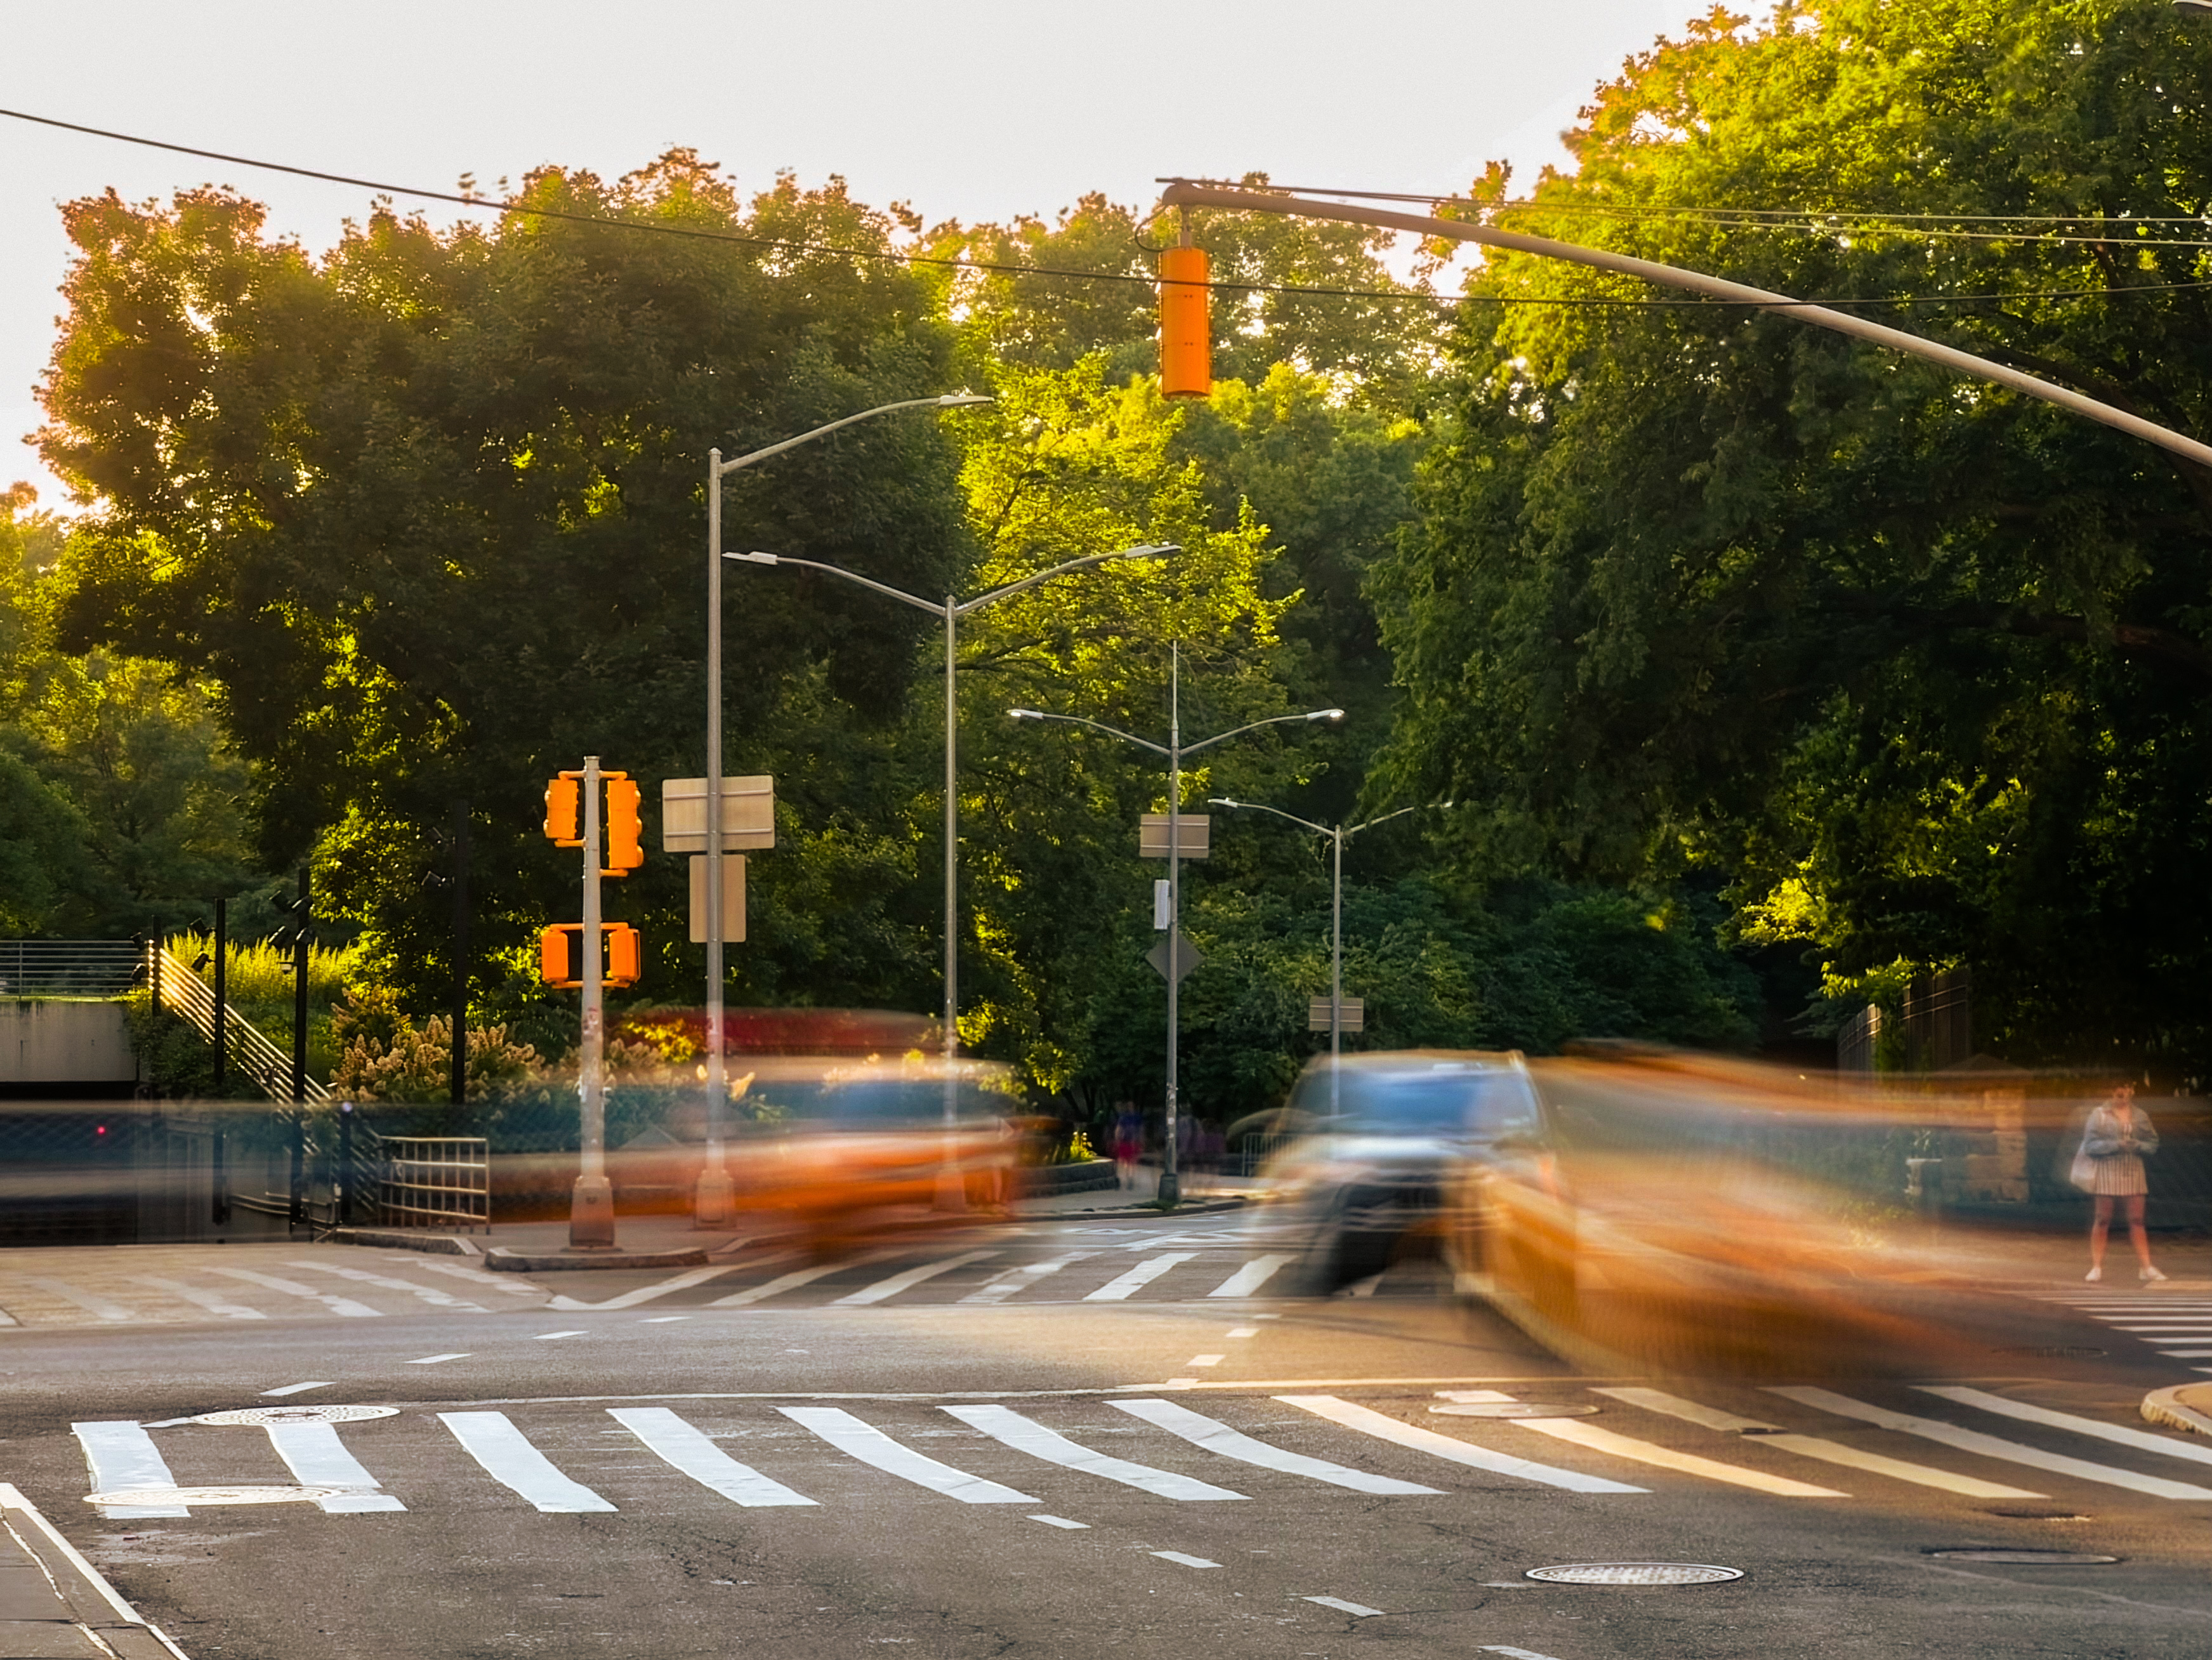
623	954
562	799
1185	362
625	848
560	957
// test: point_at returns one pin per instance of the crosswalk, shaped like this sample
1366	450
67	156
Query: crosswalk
1073	1453
193	1283
2178	1327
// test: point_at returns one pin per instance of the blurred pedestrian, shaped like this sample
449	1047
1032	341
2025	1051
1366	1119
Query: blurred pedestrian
1129	1142
2116	1139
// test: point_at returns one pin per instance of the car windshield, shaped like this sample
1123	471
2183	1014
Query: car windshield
1441	1100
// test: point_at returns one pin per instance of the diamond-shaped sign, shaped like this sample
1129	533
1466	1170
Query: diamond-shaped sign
1186	957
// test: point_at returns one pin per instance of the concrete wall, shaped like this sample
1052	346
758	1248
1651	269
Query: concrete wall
57	1041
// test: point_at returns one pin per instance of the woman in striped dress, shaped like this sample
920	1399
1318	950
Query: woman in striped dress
2116	1139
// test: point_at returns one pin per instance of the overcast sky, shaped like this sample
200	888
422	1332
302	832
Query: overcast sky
969	109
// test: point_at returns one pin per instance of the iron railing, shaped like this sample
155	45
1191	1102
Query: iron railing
69	968
186	994
434	1182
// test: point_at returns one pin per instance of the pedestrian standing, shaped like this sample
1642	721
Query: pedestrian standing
2116	1139
1128	1143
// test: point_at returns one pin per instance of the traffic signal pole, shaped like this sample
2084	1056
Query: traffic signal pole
591	1207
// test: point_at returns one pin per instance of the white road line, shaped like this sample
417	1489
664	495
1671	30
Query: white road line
1206	1359
871	1446
513	1284
1117	1290
1989	1446
7	1319
316	1457
906	1279
121	1455
492	1441
99	1308
1060	1522
1368	1421
299	1388
1244	1331
344	1305
1357	1610
1004	1425
213	1303
1510	1652
2187	1354
1001	1286
444	1299
1187	1561
796	1278
1247	1279
1364	1287
2141	1440
662	1319
1219	1439
439	1360
630	1299
547	1336
1578	1433
690	1450
1813	1446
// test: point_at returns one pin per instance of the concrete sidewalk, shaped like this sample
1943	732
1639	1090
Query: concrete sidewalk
54	1605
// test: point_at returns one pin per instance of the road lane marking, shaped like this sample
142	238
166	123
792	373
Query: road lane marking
906	1279
796	1278
1509	1650
1219	1439
689	1449
871	1446
1813	1446
1117	1290
2187	1354
1364	1287
1004	1425
99	1308
1357	1611
298	1388
1001	1286
344	1305
662	1319
547	1336
1247	1279
2141	1440
1989	1446
439	1360
491	1438
1206	1359
121	1455
316	1457
211	1301
1187	1561
1244	1331
630	1299
513	1284
1368	1421
1580	1434
431	1294
1060	1522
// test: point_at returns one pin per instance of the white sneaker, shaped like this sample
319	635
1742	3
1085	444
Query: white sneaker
2094	1275
2148	1274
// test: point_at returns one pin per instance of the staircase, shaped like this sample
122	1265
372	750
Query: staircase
178	990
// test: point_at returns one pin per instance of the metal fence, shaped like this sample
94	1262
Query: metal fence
434	1182
184	993
69	968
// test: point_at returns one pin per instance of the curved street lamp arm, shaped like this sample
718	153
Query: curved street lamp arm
1095	726
1149	551
1255	806
1254	726
1179	194
1384	819
838	570
951	401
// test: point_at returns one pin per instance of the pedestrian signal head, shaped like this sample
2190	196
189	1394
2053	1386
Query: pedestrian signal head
625	848
623	954
1185	363
563	801
560	963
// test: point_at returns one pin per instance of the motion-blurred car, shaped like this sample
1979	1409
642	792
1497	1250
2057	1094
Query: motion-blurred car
1375	1144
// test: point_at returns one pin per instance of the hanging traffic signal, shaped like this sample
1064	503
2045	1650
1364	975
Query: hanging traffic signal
560	957
625	833
623	954
1185	363
563	798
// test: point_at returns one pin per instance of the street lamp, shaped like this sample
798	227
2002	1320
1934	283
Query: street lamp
952	611
1339	836
1174	749
715	1192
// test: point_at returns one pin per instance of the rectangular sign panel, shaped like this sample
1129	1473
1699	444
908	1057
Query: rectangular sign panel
1355	1015
734	898
748	814
1195	830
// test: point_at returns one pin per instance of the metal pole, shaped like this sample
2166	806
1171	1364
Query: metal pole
221	992
1170	1185
591	1208
952	1190
1336	976
711	1206
301	912
459	1083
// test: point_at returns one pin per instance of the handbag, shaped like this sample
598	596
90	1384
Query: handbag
2082	1172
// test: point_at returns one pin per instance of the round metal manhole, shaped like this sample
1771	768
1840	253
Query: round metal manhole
2060	1352
1511	1409
2061	1559
296	1416
166	1496
1634	1573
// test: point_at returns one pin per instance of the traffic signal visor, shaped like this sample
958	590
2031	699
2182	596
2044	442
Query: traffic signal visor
1185	363
563	798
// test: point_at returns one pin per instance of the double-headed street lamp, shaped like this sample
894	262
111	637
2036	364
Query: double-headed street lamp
951	612
714	1194
1338	837
1174	749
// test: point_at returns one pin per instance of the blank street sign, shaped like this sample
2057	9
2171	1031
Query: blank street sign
1355	1014
734	898
1186	957
1194	830
748	814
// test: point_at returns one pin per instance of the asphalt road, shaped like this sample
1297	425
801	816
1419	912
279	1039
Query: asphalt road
1065	1439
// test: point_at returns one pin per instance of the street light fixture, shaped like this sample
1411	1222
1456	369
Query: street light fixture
1174	749
714	1192
1338	835
951	612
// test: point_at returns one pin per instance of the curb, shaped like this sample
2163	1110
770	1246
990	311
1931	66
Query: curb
438	1244
2164	1406
610	1256
1209	1207
73	1598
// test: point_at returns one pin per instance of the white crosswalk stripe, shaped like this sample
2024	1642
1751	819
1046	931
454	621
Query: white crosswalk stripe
796	1278
1218	1437
316	1457
213	1302
907	1278
1008	1281
871	1446
100	1308
1025	1435
2027	1412
1576	1432
430	1294
1247	1279
630	1299
1368	1421
1119	1288
688	1449
491	1438
344	1305
122	1456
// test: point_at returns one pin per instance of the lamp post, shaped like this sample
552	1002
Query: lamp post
951	612
714	1197
1174	749
1338	837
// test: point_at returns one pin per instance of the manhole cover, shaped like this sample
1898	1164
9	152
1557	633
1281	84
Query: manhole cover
146	1496
2062	1559
1511	1409
2059	1353
296	1416
1634	1573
